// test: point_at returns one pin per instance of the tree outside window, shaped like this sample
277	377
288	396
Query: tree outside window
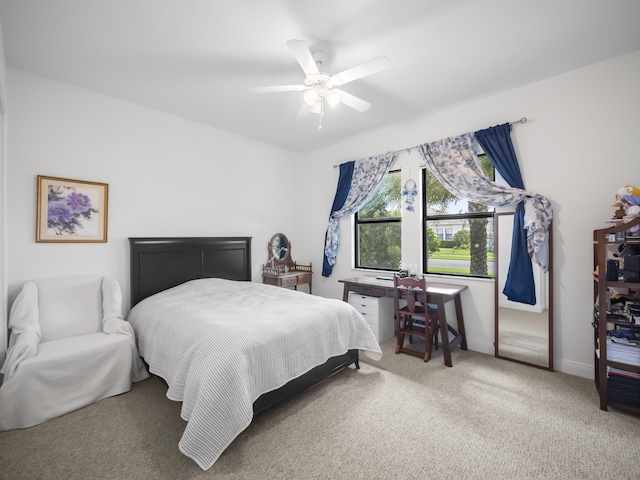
378	227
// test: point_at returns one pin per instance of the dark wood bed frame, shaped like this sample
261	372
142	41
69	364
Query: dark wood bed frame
161	263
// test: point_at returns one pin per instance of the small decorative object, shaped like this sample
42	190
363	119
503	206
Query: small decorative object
629	190
626	197
412	270
632	211
71	210
410	190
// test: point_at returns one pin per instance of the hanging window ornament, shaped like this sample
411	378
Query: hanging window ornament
410	190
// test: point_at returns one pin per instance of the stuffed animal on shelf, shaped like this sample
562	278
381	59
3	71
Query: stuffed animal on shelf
629	190
632	212
628	195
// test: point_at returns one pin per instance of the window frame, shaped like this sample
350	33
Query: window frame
426	218
357	221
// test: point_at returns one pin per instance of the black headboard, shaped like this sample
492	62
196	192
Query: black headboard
161	263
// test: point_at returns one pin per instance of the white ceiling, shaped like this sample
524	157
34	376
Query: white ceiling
197	58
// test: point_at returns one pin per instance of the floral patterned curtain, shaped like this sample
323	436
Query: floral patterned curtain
454	163
367	175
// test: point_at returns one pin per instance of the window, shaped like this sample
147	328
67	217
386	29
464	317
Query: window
457	235
448	233
378	227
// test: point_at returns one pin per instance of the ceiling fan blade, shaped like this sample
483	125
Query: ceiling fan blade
301	51
375	65
352	101
280	88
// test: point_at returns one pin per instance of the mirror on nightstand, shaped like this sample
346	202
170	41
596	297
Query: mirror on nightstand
280	270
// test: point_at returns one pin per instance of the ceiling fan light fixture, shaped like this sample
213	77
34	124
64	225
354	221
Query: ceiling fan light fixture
333	98
316	108
311	97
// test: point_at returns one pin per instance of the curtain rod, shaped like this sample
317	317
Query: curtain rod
408	150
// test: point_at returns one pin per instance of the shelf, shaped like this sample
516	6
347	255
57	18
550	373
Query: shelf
623	366
622	323
603	249
629	285
625	407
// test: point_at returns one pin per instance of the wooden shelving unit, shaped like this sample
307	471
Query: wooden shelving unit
605	243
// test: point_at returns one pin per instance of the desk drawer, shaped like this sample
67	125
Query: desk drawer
367	290
289	281
304	278
377	311
368	306
356	298
368	312
372	319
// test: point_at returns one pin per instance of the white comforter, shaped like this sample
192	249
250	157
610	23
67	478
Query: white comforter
220	344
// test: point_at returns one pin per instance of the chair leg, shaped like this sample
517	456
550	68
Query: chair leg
399	336
428	340
434	327
428	343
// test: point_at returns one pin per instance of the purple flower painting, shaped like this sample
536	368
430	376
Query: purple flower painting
67	210
71	211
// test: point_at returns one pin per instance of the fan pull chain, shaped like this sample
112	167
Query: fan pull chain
321	112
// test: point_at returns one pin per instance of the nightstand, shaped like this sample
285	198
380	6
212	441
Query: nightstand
281	270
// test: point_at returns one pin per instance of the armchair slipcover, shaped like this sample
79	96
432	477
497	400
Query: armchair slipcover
69	347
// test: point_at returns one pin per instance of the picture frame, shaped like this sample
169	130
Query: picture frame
71	211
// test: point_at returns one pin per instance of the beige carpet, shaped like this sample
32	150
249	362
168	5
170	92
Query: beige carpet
399	418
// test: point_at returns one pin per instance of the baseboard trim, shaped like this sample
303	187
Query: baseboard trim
480	346
575	368
564	366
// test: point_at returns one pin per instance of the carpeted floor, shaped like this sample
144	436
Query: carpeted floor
398	418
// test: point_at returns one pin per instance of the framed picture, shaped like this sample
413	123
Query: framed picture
71	210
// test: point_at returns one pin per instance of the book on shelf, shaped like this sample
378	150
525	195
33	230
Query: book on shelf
623	373
623	386
623	353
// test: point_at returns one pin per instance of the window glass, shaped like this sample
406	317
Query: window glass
457	235
378	227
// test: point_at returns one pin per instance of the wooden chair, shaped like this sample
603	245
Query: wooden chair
416	318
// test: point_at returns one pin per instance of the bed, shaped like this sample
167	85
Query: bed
230	349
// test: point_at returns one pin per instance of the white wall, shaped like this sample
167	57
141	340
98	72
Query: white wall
167	177
578	148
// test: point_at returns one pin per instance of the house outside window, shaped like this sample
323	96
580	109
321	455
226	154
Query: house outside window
457	235
378	227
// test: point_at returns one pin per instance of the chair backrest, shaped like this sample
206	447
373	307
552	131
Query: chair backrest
69	306
406	288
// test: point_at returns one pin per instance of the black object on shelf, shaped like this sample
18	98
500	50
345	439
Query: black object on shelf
612	270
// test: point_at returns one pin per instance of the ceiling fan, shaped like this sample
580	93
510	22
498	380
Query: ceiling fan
319	87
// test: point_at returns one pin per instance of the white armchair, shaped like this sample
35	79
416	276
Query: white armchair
69	347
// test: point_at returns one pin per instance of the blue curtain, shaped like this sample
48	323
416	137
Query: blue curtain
344	185
358	181
496	142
